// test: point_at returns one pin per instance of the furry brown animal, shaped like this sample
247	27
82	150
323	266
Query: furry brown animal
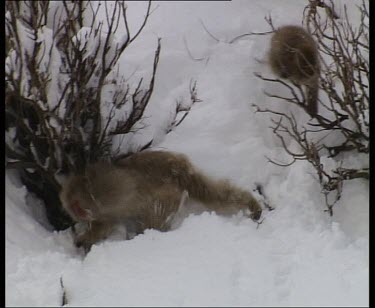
148	188
294	55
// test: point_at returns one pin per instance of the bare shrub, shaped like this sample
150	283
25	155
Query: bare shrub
342	125
66	101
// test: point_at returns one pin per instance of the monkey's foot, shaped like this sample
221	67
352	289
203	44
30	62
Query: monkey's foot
256	215
84	244
258	191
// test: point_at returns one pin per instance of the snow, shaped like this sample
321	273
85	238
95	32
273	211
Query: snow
298	256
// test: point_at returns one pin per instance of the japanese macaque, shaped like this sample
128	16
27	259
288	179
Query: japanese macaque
146	188
294	55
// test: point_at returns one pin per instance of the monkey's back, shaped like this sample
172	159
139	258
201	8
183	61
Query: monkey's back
293	54
159	166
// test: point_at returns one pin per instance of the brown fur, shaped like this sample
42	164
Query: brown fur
294	55
147	187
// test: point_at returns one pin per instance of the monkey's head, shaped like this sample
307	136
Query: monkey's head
78	199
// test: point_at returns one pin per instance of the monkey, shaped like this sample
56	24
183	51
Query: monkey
294	55
148	187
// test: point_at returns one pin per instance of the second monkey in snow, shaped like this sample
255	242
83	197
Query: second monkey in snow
294	55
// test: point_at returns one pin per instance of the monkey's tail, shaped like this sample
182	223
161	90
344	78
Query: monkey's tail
220	195
312	97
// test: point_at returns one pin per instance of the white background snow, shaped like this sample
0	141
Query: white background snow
298	256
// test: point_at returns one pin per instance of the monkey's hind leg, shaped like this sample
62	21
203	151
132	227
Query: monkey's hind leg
161	208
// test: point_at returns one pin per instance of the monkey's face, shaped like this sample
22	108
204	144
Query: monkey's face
78	200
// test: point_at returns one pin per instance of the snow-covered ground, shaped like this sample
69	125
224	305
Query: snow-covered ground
298	256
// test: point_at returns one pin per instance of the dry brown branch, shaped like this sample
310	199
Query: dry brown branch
231	41
139	99
190	54
182	108
208	32
60	114
64	299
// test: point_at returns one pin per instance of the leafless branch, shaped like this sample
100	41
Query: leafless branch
181	108
64	300
344	80
57	121
248	34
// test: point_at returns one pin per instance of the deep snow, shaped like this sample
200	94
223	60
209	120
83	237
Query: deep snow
298	256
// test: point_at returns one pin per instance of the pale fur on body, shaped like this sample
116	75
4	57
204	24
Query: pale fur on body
294	55
147	187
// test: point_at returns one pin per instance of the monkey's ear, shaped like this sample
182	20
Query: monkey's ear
80	212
